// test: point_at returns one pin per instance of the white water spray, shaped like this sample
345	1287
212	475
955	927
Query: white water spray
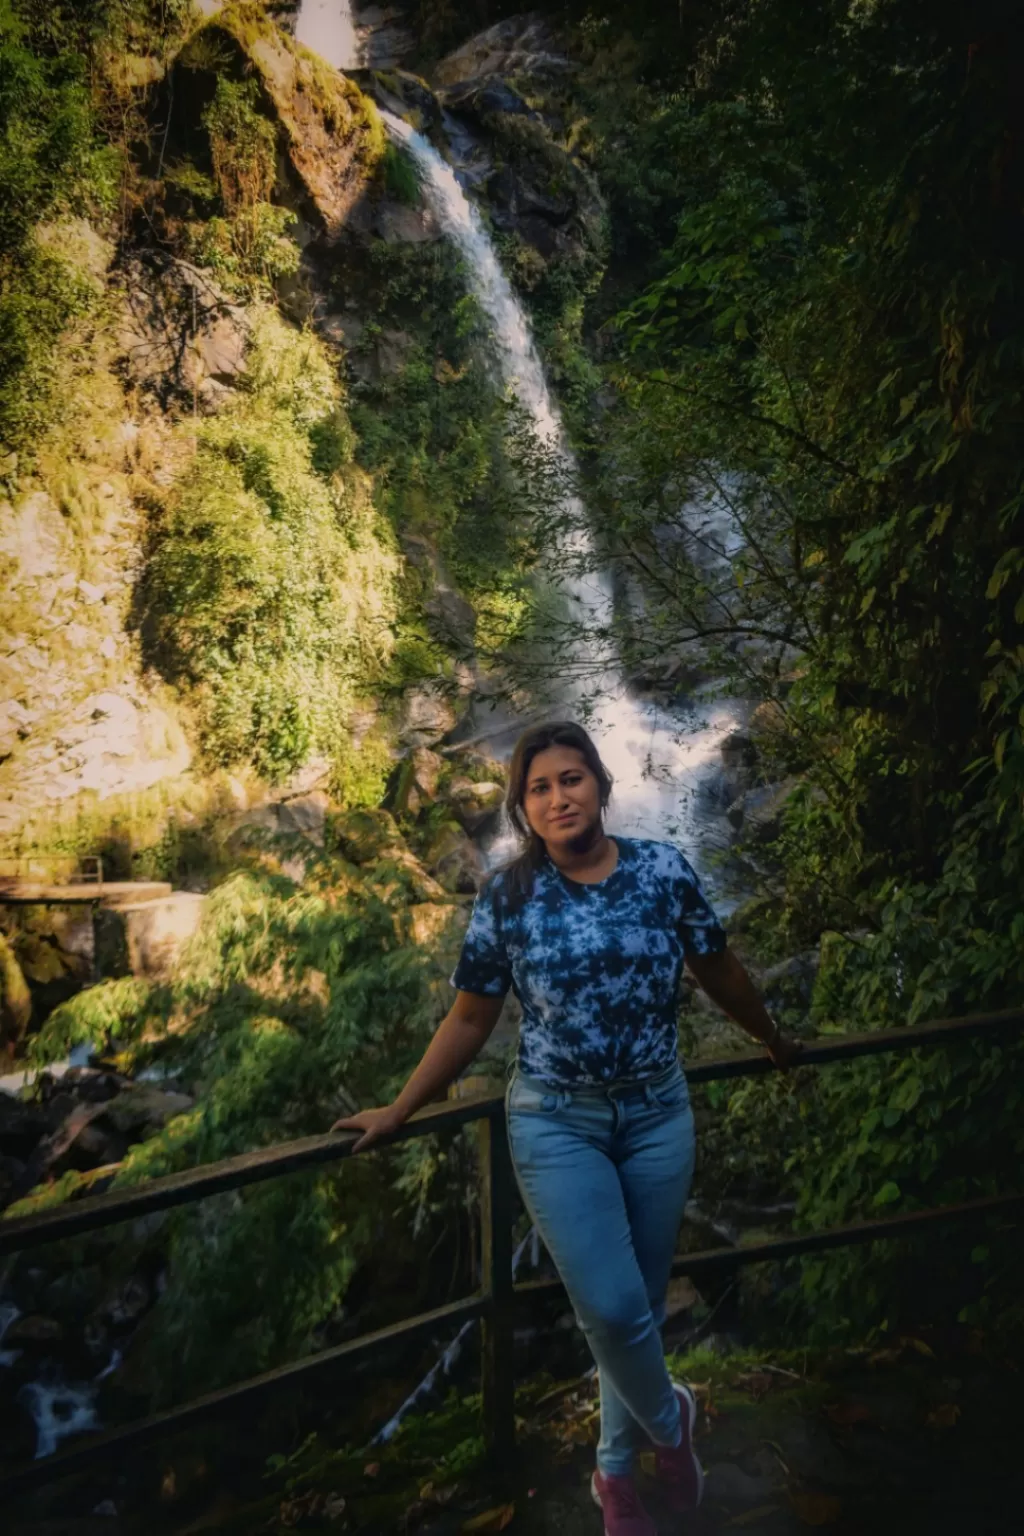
326	26
655	759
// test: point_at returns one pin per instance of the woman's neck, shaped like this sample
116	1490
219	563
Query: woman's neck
591	856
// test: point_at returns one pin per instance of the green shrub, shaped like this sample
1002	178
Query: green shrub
52	161
289	1002
41	298
268	591
400	178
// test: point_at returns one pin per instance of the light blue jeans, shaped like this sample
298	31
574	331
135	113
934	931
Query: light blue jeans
604	1175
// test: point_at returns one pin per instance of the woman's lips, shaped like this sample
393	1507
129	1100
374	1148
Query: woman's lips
560	821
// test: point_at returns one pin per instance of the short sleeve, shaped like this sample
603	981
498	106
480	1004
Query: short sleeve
483	964
699	928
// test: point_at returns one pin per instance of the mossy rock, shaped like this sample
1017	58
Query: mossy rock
363	835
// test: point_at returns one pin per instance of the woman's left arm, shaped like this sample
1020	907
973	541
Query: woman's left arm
724	979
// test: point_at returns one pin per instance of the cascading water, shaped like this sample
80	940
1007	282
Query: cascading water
326	26
656	758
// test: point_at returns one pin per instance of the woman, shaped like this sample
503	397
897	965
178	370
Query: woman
591	932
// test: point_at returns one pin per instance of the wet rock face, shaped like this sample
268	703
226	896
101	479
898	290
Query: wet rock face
520	45
83	1121
487	97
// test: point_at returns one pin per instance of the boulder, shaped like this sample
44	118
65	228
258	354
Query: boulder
411	95
126	1302
363	835
475	805
428	716
758	812
516	195
305	815
253	826
114	741
455	860
180	333
519	45
328	130
34	1328
143	1108
452	617
383	37
487	97
738	750
417	781
399	224
482	764
145	938
429	922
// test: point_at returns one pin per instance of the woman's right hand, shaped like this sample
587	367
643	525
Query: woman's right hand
374	1123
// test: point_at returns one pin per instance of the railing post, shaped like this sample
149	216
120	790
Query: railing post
497	1211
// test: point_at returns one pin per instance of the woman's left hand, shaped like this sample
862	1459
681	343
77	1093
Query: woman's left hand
785	1050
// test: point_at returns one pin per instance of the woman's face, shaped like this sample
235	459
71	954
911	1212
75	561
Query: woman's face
561	797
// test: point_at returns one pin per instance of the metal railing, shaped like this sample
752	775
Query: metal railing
498	1298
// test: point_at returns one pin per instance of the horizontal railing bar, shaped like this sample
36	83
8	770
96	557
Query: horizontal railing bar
713	1261
22	1232
833	1048
102	1447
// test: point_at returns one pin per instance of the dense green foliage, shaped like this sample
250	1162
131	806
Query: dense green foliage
297	1001
802	305
52	161
247	246
453	462
268	590
829	346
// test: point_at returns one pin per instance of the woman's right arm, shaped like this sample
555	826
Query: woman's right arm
461	1035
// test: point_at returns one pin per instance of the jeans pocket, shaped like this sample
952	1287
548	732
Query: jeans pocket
522	1099
672	1094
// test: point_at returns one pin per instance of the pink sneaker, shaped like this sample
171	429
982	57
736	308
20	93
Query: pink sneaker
679	1473
624	1515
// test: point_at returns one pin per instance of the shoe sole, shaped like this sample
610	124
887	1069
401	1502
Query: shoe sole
686	1397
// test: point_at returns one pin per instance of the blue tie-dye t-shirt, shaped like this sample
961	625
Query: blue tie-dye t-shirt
596	967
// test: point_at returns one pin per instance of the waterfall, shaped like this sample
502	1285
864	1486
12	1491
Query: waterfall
326	26
656	757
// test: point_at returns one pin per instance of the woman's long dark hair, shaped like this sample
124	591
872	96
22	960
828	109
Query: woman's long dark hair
560	733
